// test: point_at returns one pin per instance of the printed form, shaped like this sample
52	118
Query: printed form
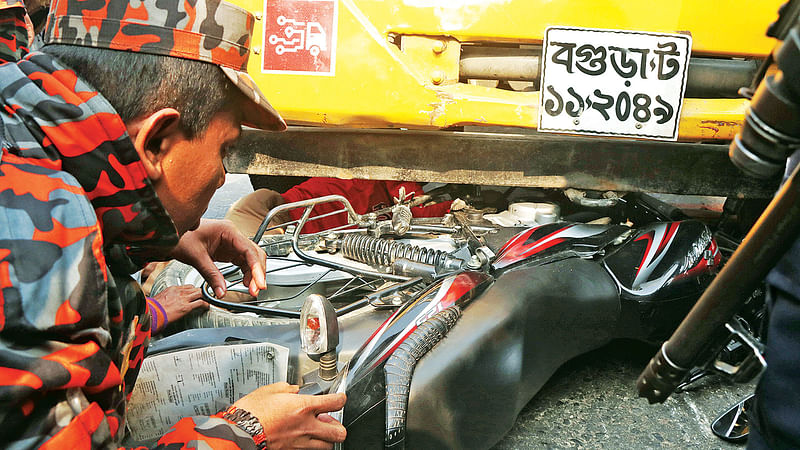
199	381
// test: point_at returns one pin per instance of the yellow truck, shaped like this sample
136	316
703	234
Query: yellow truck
451	91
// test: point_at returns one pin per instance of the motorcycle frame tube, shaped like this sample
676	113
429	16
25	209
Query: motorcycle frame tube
344	268
308	204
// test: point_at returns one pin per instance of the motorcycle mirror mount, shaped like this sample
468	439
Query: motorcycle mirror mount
319	334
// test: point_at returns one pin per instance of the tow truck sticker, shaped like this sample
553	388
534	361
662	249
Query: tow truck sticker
300	37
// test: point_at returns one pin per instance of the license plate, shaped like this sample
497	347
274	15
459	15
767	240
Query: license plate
613	82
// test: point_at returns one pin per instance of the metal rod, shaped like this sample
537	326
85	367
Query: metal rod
377	294
352	306
498	63
355	289
432	229
349	282
304	203
341	290
310	219
344	268
761	249
329	230
707	77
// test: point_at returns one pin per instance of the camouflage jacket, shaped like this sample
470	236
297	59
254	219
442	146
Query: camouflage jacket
74	204
16	30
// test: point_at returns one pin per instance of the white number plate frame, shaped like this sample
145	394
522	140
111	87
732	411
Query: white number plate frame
613	82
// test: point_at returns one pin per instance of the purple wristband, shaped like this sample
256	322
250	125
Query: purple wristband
153	302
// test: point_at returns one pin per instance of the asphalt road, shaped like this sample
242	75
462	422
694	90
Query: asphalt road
591	401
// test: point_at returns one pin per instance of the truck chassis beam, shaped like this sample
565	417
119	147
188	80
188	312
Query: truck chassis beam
534	160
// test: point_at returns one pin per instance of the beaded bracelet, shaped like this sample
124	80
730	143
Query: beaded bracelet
248	423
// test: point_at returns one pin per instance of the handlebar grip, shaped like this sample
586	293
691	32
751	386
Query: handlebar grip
660	378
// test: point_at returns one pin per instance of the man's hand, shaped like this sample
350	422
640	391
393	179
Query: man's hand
218	240
295	421
458	205
179	301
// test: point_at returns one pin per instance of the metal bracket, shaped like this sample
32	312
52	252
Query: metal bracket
752	365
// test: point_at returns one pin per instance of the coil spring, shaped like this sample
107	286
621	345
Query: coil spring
383	252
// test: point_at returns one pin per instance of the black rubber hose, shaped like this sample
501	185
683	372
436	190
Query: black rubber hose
400	368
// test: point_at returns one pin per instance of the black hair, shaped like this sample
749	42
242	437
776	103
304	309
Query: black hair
138	84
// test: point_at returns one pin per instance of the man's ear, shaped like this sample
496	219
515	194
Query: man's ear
153	136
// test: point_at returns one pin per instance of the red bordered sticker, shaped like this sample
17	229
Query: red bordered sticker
300	37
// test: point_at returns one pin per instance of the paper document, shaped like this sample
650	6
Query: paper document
199	381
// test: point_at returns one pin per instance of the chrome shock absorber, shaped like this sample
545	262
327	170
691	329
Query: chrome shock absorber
384	252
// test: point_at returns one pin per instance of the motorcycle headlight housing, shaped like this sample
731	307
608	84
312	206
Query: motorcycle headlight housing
319	328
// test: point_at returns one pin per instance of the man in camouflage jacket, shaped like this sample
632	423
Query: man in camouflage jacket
90	191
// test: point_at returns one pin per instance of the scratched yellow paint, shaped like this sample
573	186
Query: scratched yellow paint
378	84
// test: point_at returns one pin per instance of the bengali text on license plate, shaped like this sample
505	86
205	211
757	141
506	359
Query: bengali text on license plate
613	82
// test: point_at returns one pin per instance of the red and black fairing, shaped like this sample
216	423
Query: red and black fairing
663	255
661	271
554	241
364	380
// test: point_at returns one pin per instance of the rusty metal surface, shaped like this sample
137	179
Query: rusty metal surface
496	159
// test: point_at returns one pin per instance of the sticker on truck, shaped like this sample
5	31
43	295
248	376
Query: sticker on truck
300	37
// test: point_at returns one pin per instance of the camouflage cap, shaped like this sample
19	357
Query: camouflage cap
213	31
